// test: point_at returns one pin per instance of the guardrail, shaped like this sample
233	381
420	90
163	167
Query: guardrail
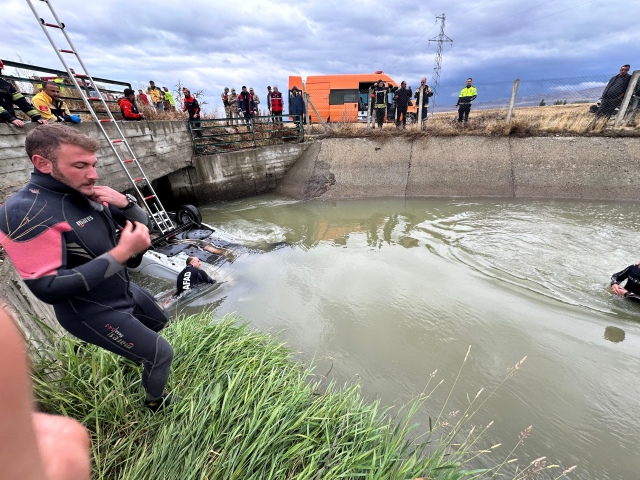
221	135
67	89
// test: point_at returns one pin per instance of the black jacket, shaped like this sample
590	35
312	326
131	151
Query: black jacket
8	96
403	96
425	96
616	87
58	240
190	277
632	275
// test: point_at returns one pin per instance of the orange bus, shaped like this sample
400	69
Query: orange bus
345	98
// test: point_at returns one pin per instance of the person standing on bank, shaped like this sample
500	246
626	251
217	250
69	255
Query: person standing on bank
402	98
269	99
426	94
296	106
169	103
128	107
276	105
61	232
233	106
192	106
467	96
256	101
613	93
157	96
379	99
192	276
225	101
246	105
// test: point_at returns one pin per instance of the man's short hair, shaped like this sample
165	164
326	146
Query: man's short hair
46	139
470	79
244	86
190	259
50	83
128	91
268	87
628	66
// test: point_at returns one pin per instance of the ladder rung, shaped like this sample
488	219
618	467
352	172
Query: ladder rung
52	25
128	161
107	120
138	179
67	51
80	75
117	141
96	99
150	196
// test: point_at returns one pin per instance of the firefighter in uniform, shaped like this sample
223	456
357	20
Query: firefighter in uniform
8	96
379	99
467	95
51	107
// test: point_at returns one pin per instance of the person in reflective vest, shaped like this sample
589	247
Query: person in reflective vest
467	96
379	99
192	106
169	104
51	107
277	104
10	95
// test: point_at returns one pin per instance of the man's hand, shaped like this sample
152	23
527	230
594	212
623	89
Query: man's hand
107	194
131	242
618	290
142	116
18	123
42	121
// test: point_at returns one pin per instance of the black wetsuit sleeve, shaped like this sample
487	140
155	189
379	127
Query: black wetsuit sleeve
204	278
632	296
616	278
133	214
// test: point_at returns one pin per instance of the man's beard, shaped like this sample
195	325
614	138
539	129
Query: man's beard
58	175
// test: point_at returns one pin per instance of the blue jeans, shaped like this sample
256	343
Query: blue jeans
160	106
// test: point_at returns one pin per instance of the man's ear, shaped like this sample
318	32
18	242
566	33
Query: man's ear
42	164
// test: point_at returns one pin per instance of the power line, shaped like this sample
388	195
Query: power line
472	8
416	42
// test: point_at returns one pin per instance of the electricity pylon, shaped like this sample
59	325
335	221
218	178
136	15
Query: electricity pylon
441	39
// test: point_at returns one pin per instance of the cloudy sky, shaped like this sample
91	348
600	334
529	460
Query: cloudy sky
212	44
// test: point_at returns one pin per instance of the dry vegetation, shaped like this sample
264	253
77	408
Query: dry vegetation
528	121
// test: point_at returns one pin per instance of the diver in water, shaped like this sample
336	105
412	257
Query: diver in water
632	288
192	276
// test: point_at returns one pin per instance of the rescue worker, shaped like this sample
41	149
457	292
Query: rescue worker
233	106
192	276
10	95
269	99
426	94
402	98
61	232
467	96
157	96
277	105
379	99
169	103
225	101
192	106
296	106
51	107
613	93
256	100
246	105
128	106
632	288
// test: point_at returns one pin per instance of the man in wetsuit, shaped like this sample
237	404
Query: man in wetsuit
192	276
60	231
632	289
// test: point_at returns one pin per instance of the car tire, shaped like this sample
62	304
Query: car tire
187	213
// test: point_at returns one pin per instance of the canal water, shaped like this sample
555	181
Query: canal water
386	291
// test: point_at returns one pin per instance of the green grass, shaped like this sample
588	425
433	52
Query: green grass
249	411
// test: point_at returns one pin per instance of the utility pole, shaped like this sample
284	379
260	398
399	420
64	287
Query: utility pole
441	39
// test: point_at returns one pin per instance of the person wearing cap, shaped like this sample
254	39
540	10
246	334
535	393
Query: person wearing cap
9	96
169	104
234	111
296	106
157	96
225	101
128	106
256	100
276	105
51	107
379	99
247	105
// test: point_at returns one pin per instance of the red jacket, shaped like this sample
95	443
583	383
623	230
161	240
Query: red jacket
128	109
191	105
277	104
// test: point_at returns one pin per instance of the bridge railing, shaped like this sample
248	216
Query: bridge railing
221	135
28	79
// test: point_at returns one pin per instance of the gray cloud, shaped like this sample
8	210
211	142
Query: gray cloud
209	45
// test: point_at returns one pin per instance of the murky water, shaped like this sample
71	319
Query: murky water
386	291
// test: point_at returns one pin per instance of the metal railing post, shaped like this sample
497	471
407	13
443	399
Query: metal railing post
253	131
513	99
627	98
421	104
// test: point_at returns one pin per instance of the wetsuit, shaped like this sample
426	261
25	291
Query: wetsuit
632	275
190	277
58	240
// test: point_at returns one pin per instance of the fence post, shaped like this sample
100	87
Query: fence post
370	105
513	99
421	103
306	110
627	98
253	132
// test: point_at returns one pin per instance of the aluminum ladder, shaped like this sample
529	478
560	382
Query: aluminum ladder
136	175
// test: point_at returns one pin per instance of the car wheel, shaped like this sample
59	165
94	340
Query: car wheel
188	213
